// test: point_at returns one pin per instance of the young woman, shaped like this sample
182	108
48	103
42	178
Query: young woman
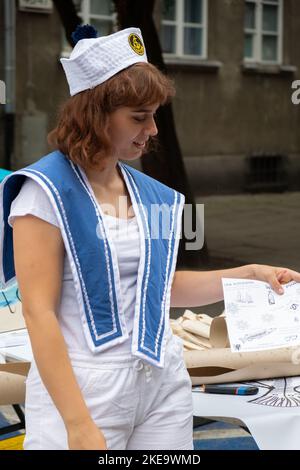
96	284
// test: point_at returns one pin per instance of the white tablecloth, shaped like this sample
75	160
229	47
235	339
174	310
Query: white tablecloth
272	416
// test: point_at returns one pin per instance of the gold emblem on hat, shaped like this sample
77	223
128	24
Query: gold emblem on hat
136	44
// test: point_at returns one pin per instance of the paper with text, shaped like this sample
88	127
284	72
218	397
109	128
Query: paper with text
258	318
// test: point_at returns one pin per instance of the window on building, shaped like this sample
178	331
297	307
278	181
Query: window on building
263	31
98	13
184	28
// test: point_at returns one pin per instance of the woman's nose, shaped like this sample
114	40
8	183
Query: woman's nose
152	128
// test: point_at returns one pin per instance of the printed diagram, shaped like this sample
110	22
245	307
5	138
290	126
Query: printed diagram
258	318
242	325
259	335
291	304
244	297
232	308
254	337
271	298
283	392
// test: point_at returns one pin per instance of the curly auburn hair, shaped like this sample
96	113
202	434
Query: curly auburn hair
81	131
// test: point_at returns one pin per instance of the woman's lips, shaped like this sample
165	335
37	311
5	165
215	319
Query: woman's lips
140	145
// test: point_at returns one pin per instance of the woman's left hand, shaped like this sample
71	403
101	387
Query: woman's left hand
275	276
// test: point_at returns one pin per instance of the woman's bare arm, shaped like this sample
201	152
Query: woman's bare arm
196	288
39	255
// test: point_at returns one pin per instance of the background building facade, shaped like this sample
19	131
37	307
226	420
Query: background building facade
233	62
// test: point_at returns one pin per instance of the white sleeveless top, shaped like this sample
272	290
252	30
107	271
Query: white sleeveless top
124	234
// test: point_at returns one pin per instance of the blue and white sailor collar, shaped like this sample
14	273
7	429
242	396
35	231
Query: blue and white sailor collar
92	254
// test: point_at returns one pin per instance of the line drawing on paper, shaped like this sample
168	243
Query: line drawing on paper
242	325
232	308
282	392
271	298
258	318
255	336
244	297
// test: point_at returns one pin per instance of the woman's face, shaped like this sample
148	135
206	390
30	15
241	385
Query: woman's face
130	128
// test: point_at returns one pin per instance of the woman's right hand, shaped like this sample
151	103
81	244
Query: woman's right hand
85	436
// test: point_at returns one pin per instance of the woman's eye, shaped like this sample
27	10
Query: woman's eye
139	119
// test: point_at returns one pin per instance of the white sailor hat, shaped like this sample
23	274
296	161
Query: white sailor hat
94	60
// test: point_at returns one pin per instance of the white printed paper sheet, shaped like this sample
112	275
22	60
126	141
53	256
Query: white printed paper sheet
258	318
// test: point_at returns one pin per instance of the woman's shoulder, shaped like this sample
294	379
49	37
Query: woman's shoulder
30	187
33	200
